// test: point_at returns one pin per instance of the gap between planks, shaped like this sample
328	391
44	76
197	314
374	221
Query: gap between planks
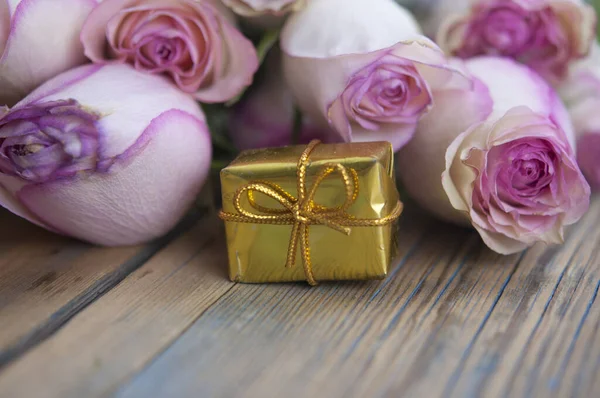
124	331
426	331
114	312
183	330
59	313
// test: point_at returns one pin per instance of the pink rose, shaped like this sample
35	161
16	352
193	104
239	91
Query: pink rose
265	117
547	35
581	93
105	154
193	42
509	167
255	8
38	40
364	69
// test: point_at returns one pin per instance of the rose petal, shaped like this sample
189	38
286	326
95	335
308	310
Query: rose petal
501	243
455	112
340	27
27	61
221	62
238	73
93	33
107	202
547	35
512	174
8	188
317	82
88	86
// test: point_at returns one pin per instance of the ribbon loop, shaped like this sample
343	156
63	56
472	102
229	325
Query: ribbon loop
302	212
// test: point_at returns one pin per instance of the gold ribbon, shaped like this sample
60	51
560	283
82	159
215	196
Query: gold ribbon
302	212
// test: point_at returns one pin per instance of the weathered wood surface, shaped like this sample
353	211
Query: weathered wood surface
45	279
453	320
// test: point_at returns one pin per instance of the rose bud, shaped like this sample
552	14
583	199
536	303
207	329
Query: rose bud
38	40
581	93
105	154
500	161
364	69
194	42
266	115
546	35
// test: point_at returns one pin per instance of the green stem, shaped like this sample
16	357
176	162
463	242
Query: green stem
297	127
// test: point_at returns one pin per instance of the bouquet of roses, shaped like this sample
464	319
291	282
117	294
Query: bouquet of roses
113	109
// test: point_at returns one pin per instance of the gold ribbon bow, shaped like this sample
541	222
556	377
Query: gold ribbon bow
301	212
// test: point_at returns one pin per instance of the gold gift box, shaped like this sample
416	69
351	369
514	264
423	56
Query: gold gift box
259	252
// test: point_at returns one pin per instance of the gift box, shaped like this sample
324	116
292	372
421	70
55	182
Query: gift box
316	213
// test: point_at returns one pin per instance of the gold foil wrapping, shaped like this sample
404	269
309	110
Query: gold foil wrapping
258	252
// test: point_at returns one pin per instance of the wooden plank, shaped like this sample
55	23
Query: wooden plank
117	334
45	279
413	335
453	319
338	339
539	337
115	337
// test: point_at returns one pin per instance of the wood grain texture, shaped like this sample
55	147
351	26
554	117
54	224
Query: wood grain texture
46	279
119	333
445	317
453	320
537	339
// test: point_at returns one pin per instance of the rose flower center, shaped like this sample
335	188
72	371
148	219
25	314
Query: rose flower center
386	93
165	51
395	90
24	150
524	168
155	42
47	141
507	30
529	173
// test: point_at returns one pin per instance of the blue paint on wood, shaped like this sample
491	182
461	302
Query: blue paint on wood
451	385
525	349
445	288
555	381
392	274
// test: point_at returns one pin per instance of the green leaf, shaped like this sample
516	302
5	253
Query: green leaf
596	4
219	164
266	43
217	118
297	127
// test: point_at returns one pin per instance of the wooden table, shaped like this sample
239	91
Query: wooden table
453	319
